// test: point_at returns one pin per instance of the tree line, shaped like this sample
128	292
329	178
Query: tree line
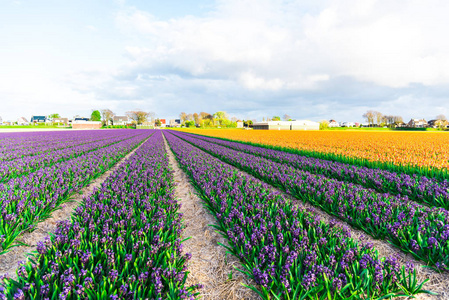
376	118
204	119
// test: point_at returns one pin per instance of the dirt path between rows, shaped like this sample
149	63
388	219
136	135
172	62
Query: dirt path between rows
438	282
209	264
9	261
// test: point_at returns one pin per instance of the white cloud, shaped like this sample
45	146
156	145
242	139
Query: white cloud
275	45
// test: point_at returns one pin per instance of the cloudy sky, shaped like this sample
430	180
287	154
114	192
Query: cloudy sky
310	59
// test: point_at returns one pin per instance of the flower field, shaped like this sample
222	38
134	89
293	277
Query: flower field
416	152
125	239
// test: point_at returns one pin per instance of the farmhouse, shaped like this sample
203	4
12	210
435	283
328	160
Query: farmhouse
22	121
175	123
38	119
417	123
287	125
63	121
120	120
333	123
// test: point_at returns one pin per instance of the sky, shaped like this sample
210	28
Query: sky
310	59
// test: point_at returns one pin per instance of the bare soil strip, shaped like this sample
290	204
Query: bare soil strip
9	261
209	264
438	282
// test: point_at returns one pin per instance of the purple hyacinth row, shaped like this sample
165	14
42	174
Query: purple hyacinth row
288	252
28	199
123	242
414	228
26	164
37	143
418	188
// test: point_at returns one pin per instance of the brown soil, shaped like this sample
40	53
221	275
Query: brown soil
209	264
9	261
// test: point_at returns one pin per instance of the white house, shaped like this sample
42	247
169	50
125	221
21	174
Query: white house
333	123
120	120
417	123
22	121
347	124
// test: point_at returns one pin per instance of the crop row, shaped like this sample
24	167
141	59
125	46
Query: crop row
123	242
27	164
288	252
403	152
414	228
418	188
36	143
26	200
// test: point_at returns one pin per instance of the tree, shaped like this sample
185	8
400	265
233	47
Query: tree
190	117
287	117
378	115
324	124
205	115
221	115
196	118
138	116
95	116
397	120
441	117
190	123
157	123
276	118
369	116
183	117
107	116
150	117
248	123
54	116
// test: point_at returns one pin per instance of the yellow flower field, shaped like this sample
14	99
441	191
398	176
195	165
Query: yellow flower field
424	149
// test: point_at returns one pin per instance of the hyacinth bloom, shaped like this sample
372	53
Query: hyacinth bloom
414	228
123	242
288	252
29	163
417	188
27	199
412	152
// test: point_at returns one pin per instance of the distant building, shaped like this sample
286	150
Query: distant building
38	119
120	120
417	123
347	124
175	123
287	125
22	121
163	122
1	121
81	124
80	119
239	124
61	121
438	123
333	123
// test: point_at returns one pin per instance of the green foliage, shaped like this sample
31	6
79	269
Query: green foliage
54	116
158	123
189	123
95	116
324	125
276	118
